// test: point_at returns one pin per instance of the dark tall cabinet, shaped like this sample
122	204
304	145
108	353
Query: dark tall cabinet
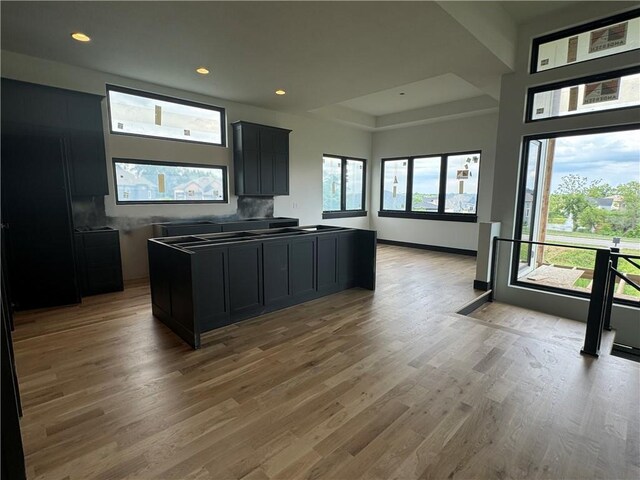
37	220
260	159
52	150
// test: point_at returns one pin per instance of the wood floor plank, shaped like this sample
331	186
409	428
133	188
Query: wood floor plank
360	384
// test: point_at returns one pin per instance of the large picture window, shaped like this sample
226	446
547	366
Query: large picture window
579	191
132	112
343	186
144	181
436	187
609	36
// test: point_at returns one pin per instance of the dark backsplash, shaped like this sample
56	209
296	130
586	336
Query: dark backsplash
90	212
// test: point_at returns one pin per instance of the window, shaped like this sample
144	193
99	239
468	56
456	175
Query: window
609	36
578	190
144	181
435	187
610	91
132	112
343	186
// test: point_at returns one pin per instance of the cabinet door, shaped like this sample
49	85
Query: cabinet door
211	281
86	146
36	207
327	262
245	279
267	155
276	271
302	270
281	163
250	160
347	258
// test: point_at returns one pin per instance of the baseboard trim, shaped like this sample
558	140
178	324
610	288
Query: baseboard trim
434	248
481	285
475	303
624	351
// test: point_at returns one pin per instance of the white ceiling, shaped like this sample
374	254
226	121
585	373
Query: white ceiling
348	57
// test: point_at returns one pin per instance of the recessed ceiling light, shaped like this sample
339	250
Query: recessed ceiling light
81	37
202	70
280	92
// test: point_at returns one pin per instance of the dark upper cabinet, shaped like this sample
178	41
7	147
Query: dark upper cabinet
85	137
260	159
75	117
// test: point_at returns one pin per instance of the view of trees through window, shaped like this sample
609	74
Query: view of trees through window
138	182
581	190
343	182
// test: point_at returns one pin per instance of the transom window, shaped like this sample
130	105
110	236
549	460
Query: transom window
609	36
343	186
609	91
437	187
132	112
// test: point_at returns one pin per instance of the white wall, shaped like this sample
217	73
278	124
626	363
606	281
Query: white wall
309	139
464	134
511	129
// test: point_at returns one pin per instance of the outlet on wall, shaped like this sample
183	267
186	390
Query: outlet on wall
294	205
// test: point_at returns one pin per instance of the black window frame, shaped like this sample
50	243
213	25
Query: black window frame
520	201
440	215
343	212
166	98
225	182
531	92
569	32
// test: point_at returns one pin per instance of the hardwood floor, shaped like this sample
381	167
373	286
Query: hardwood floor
375	385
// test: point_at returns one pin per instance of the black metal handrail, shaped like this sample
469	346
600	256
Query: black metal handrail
602	287
602	292
494	254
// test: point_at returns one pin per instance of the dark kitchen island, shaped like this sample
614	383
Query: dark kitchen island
203	282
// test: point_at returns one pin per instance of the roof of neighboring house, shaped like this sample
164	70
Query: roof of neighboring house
126	178
204	184
602	202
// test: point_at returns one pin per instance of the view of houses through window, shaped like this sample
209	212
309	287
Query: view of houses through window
141	182
580	190
420	184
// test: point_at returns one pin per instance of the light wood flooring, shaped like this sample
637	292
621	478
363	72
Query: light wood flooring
390	384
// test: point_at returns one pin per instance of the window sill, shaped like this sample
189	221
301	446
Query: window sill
344	214
445	217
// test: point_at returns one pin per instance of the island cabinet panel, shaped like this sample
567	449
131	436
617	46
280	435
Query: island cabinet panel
203	282
347	259
276	262
211	275
172	295
302	273
245	279
327	263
